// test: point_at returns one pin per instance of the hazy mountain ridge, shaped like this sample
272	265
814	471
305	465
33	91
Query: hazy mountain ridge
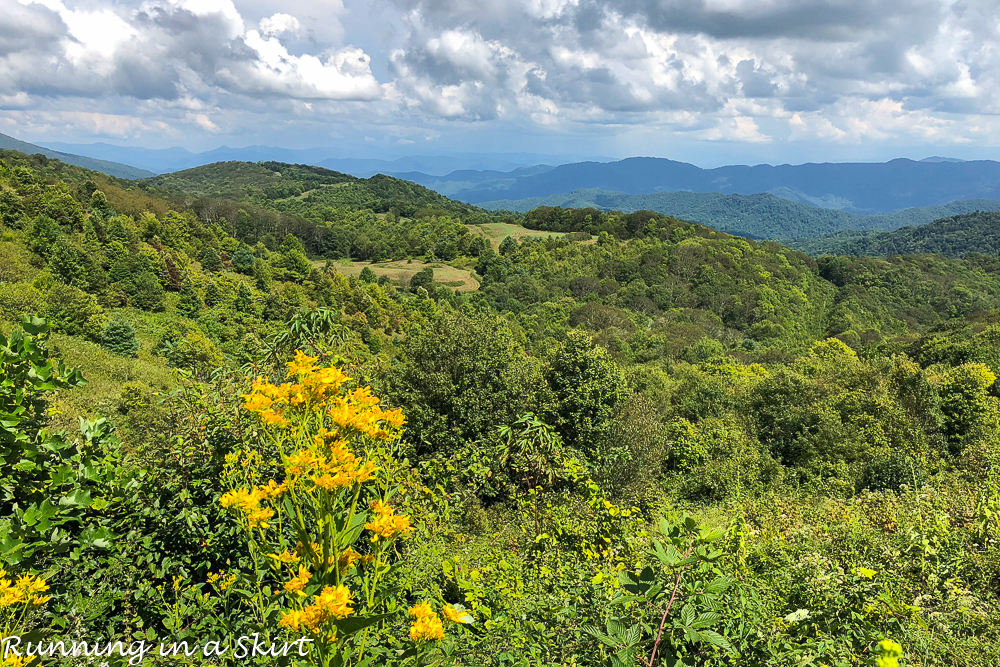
167	160
115	169
864	188
762	216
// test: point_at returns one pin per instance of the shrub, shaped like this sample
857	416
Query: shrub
19	299
888	473
120	338
72	311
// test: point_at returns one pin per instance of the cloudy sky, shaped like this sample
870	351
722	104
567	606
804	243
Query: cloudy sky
708	81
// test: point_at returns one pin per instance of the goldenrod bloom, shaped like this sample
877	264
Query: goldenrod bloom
286	557
298	583
386	524
426	626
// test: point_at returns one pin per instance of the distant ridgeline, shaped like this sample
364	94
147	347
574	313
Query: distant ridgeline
115	169
759	216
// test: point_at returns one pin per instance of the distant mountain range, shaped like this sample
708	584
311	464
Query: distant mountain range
104	166
168	160
864	188
759	216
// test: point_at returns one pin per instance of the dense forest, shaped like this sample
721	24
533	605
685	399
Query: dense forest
955	236
639	441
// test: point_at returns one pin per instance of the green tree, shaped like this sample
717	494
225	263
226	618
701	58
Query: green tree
367	275
190	303
210	260
72	311
589	387
119	337
243	260
213	294
508	245
423	278
11	209
461	378
145	292
43	233
244	300
67	263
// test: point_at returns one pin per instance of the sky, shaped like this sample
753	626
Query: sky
706	81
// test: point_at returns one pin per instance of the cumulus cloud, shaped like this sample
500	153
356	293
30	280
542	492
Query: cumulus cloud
750	71
168	50
626	60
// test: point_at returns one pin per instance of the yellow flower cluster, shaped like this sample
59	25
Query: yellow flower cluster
426	626
333	602
331	466
13	660
248	502
890	653
299	582
319	388
26	590
386	524
223	580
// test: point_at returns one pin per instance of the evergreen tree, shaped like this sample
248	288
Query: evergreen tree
243	260
213	295
190	304
146	292
367	275
120	338
508	245
210	260
244	300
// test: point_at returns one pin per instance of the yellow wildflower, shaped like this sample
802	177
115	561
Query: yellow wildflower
335	602
386	524
302	363
298	583
286	557
889	653
426	626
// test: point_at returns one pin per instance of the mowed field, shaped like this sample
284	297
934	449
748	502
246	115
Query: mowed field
460	279
498	231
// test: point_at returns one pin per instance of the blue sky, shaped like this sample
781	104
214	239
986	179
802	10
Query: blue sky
706	81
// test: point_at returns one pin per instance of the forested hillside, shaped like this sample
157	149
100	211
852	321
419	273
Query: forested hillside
955	236
663	445
115	169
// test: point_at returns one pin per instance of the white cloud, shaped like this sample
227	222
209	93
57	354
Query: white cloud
278	24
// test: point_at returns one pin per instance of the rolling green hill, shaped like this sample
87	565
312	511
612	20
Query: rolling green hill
305	189
111	168
760	216
952	237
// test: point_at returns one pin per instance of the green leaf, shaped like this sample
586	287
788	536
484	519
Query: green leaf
352	624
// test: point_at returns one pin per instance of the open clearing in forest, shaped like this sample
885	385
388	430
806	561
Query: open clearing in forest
460	279
498	231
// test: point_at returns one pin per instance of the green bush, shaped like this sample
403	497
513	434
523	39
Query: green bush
888	473
120	338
